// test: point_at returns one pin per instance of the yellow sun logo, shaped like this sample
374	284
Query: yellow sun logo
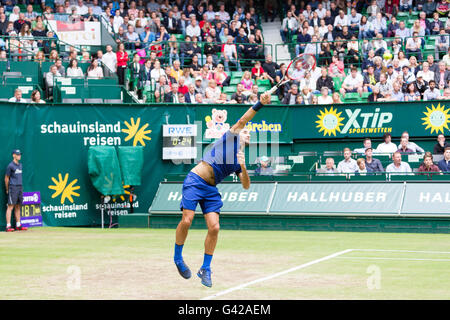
437	118
329	121
133	131
61	187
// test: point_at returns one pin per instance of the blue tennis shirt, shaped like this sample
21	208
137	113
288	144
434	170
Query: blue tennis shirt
223	156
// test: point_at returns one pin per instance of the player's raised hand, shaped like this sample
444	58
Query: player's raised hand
241	157
265	98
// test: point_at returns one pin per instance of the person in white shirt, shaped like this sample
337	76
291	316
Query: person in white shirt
313	47
36	97
411	145
49	77
288	27
352	83
14	15
73	70
224	16
426	73
398	166
94	70
341	20
118	21
157	72
229	53
367	143
17	97
82	9
193	30
387	146
321	11
324	98
109	59
348	165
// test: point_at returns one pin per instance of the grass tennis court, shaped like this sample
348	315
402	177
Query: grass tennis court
77	263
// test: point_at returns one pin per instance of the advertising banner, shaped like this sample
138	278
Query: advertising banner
345	198
421	119
271	124
427	198
235	199
78	33
30	214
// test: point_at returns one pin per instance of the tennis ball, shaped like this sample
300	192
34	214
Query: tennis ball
387	55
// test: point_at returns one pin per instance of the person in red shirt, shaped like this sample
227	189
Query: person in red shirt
428	165
182	87
258	72
122	61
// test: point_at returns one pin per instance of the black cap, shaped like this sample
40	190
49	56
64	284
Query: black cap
17	151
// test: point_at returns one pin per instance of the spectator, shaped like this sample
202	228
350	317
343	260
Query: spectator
413	46
440	146
336	98
17	97
411	145
212	92
352	83
444	164
370	79
109	60
73	71
132	38
397	94
361	167
387	146
147	37
264	168
193	30
384	87
172	95
404	146
402	31
190	95
442	43
398	166
429	7
366	29
291	96
122	61
239	94
324	98
432	93
288	26
303	38
367	143
426	73
229	54
219	76
348	165
50	78
428	165
412	94
270	67
442	76
36	97
375	95
372	164
336	68
329	169
324	80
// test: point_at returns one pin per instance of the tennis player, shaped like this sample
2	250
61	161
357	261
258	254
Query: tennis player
225	157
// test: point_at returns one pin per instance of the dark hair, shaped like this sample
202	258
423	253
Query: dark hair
33	94
386	135
71	62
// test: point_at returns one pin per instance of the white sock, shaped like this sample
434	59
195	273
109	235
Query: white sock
8	225
17	224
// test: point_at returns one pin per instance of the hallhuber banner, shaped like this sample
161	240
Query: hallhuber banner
427	198
235	198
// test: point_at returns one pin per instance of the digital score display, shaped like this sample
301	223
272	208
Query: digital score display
179	141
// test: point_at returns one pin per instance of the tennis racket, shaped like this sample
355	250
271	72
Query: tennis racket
296	70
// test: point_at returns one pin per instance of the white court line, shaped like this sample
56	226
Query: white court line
302	266
388	250
397	259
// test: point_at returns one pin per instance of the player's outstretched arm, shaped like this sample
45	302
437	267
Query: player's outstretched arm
250	113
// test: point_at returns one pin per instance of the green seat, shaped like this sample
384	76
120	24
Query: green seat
237	74
235	81
411	177
370	177
229	89
274	99
103	81
324	177
263	82
262	89
352	97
